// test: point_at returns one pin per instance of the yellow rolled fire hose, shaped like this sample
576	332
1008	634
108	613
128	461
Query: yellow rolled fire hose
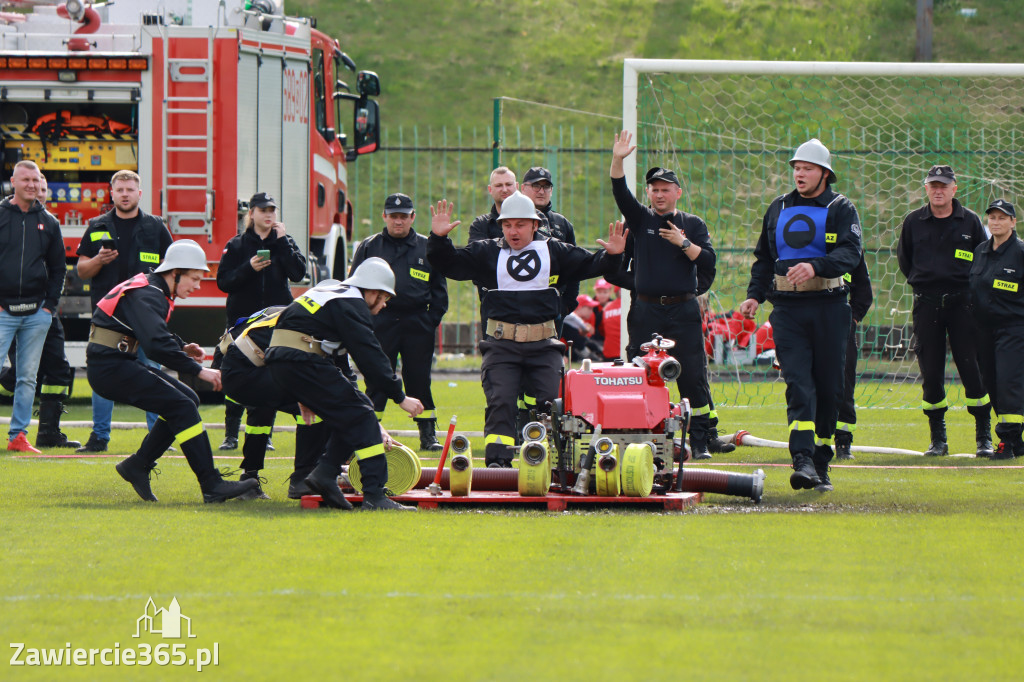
404	469
638	470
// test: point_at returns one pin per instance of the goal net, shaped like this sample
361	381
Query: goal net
730	128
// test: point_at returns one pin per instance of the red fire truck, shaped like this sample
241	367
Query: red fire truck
209	101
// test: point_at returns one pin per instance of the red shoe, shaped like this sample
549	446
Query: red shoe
20	444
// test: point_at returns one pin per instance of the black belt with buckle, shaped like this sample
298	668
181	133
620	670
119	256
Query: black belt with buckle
666	300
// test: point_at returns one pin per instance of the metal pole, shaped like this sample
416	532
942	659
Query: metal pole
496	148
923	49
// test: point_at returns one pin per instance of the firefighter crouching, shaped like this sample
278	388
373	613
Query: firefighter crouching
134	314
328	321
521	302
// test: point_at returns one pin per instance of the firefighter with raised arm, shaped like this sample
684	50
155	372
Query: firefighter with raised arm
325	322
407	326
134	314
519	272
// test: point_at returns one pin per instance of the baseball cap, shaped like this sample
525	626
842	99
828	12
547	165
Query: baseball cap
602	284
398	203
1002	205
538	174
583	299
262	200
663	174
940	174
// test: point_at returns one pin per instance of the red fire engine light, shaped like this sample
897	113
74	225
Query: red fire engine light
57	63
77	63
37	62
96	63
17	62
138	64
121	64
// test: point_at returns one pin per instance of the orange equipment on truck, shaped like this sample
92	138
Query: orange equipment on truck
210	102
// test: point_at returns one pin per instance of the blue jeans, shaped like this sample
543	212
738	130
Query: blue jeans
103	409
30	332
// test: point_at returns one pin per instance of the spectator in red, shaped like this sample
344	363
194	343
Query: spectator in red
611	328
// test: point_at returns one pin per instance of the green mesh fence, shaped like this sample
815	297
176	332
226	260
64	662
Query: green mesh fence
730	135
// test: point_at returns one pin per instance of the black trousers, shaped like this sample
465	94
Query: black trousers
935	318
1001	358
123	379
847	422
810	343
680	322
253	387
55	375
410	337
507	366
347	415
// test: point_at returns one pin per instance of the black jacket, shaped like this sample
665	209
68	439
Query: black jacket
346	321
997	284
248	290
485	226
31	256
150	240
660	268
478	261
557	226
419	290
861	293
842	247
142	313
935	254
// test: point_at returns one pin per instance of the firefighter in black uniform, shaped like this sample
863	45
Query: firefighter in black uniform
935	251
135	313
407	327
254	280
997	301
861	298
809	239
329	321
519	272
669	248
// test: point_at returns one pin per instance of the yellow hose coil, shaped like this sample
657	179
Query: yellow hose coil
606	473
460	467
638	470
404	469
534	469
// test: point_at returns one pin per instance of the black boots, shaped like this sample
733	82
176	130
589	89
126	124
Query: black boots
50	435
94	444
257	492
805	475
323	481
938	447
381	502
982	435
136	471
699	449
844	440
232	422
428	435
498	455
221	490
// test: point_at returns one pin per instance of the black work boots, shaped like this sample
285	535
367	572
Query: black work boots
428	435
50	435
938	447
137	472
94	444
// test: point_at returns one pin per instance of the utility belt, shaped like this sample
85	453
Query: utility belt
938	300
250	350
109	338
286	338
667	300
813	284
521	333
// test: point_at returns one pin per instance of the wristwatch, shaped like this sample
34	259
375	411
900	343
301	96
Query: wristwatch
685	245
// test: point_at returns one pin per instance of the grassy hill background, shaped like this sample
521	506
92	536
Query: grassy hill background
442	63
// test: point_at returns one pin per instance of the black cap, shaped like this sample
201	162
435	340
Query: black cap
538	174
398	203
1002	205
662	174
940	174
262	200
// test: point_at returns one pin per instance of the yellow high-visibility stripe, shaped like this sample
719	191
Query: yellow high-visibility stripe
231	400
801	426
713	414
47	389
189	433
977	402
844	426
308	303
823	441
258	430
700	411
496	438
98	236
934	406
428	414
371	451
1011	418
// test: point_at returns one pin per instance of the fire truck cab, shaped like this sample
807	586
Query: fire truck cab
210	102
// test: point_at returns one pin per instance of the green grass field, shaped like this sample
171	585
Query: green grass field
906	571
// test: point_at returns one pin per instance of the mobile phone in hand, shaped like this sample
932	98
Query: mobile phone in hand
108	244
263	254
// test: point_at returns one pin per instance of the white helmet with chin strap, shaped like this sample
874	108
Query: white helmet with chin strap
813	151
518	205
184	254
373	273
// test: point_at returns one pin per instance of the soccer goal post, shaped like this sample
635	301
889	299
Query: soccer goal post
729	128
